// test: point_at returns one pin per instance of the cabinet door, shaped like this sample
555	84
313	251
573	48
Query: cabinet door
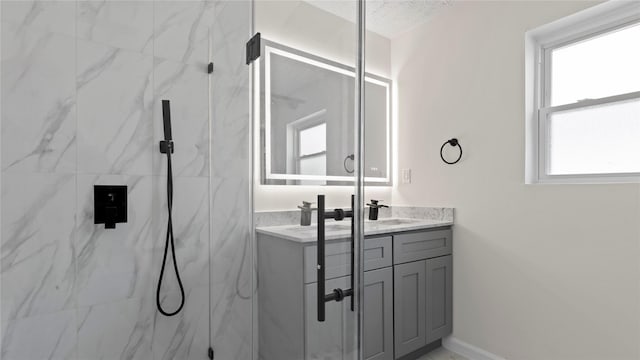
331	339
378	314
439	297
409	307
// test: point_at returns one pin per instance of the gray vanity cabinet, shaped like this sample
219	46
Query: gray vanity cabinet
378	314
406	300
328	339
423	300
422	291
409	307
439	297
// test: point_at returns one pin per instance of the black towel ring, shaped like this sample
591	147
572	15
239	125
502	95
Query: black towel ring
344	163
452	142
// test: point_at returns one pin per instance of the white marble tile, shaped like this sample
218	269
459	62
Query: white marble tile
231	250
114	110
185	335
38	220
231	134
121	24
114	264
182	31
187	89
51	336
38	120
118	330
42	15
190	217
232	289
118	90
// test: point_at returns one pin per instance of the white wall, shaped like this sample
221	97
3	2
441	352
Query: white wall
541	271
305	27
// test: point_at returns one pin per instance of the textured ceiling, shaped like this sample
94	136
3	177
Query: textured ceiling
388	18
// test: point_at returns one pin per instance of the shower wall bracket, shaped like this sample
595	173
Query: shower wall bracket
253	48
166	145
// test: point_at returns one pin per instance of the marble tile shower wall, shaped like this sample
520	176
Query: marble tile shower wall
81	88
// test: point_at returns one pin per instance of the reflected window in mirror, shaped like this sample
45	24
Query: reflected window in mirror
311	158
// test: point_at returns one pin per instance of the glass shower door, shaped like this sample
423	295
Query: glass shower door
304	57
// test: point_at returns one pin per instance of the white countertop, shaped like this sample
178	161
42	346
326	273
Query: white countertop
342	229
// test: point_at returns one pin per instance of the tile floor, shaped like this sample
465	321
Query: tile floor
442	354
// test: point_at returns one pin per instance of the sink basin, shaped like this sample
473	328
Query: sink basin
391	222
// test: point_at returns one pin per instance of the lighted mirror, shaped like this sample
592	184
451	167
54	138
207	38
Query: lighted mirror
307	120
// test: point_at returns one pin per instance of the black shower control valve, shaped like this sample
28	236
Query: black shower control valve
166	145
110	205
339	214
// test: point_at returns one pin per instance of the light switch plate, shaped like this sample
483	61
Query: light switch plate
406	176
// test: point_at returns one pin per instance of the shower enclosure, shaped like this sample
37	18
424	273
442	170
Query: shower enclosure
308	89
82	86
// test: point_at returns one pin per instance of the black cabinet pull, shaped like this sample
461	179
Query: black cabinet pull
336	294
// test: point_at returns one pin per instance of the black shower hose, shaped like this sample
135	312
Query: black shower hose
169	241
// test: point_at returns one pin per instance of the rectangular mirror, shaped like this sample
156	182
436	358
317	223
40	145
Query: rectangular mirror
307	126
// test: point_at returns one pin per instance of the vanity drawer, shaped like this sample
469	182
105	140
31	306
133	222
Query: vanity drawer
377	254
421	245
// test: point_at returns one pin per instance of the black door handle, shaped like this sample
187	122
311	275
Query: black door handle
336	294
320	270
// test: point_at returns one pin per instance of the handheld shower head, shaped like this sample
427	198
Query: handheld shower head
166	119
166	145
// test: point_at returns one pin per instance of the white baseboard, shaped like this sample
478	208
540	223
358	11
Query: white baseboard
467	350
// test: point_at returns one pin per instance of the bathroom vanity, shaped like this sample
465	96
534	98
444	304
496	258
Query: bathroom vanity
407	290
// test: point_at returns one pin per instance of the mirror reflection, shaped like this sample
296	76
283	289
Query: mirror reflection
307	115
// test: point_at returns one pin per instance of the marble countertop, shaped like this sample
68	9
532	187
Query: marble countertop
342	229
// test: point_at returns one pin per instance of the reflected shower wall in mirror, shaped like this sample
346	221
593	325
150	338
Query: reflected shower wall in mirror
307	111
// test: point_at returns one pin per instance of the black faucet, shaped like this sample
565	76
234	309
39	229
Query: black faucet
305	213
373	211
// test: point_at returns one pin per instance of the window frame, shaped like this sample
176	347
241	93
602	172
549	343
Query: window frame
317	154
539	44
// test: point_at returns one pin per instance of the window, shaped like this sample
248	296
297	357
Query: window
584	108
312	150
306	148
